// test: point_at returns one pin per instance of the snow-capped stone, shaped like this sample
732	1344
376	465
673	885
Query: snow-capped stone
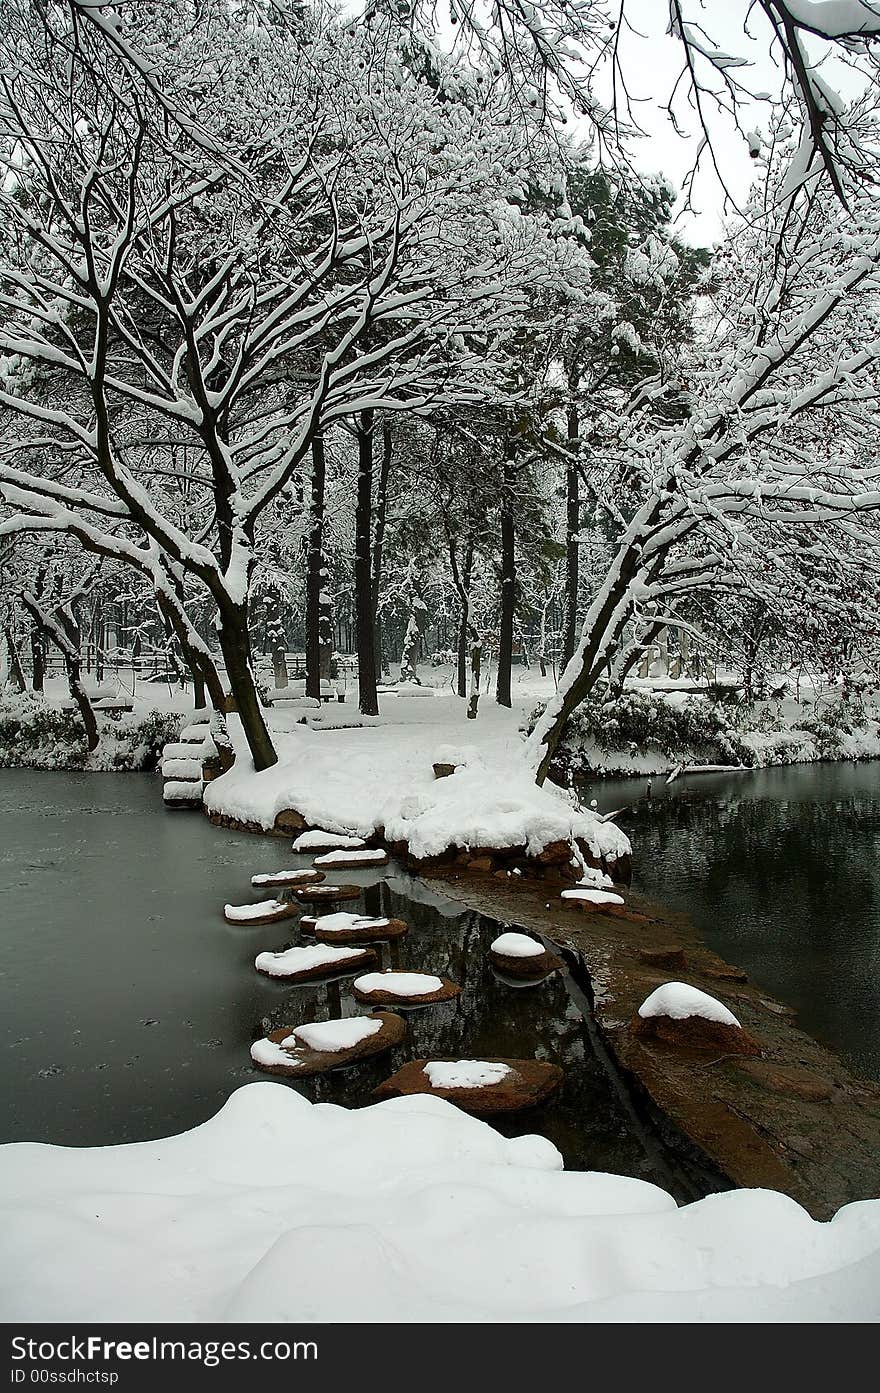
516	945
464	1073
403	988
315	961
333	1035
351	859
687	1018
317	840
266	912
678	1000
303	877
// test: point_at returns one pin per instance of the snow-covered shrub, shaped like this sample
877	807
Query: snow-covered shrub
830	723
690	728
36	735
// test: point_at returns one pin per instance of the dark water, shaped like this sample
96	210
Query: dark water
129	1005
780	869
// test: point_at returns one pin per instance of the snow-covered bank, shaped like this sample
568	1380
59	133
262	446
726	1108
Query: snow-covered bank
37	734
380	778
428	1213
645	731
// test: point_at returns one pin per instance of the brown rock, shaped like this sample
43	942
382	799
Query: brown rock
667	956
788	1079
480	863
361	960
289	821
530	1082
443	770
535	968
327	894
723	972
305	1062
368	932
446	992
554	854
695	1033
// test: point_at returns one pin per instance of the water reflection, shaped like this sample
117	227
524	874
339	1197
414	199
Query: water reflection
780	869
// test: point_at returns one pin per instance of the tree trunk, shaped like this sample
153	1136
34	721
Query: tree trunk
572	533
508	581
603	625
363	579
16	671
235	645
38	657
316	574
463	586
474	698
78	692
379	542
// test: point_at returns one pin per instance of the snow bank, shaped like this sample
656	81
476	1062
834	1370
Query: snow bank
514	945
473	808
354	782
333	1035
464	1073
429	1214
678	1001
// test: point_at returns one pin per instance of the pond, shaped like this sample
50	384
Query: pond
129	1005
780	870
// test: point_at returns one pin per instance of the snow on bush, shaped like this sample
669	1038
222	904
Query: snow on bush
37	735
679	1001
696	729
428	1214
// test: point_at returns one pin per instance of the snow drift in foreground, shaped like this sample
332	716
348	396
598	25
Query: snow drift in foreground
279	1210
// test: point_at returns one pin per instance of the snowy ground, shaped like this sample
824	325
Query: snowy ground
360	777
281	1210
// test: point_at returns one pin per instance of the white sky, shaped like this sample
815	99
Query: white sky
652	64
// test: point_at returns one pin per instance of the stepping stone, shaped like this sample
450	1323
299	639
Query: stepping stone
351	860
355	928
266	912
322	894
313	1049
682	1016
182	794
327	841
476	1085
195	734
519	955
182	770
314	962
667	955
403	989
287	878
591	899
